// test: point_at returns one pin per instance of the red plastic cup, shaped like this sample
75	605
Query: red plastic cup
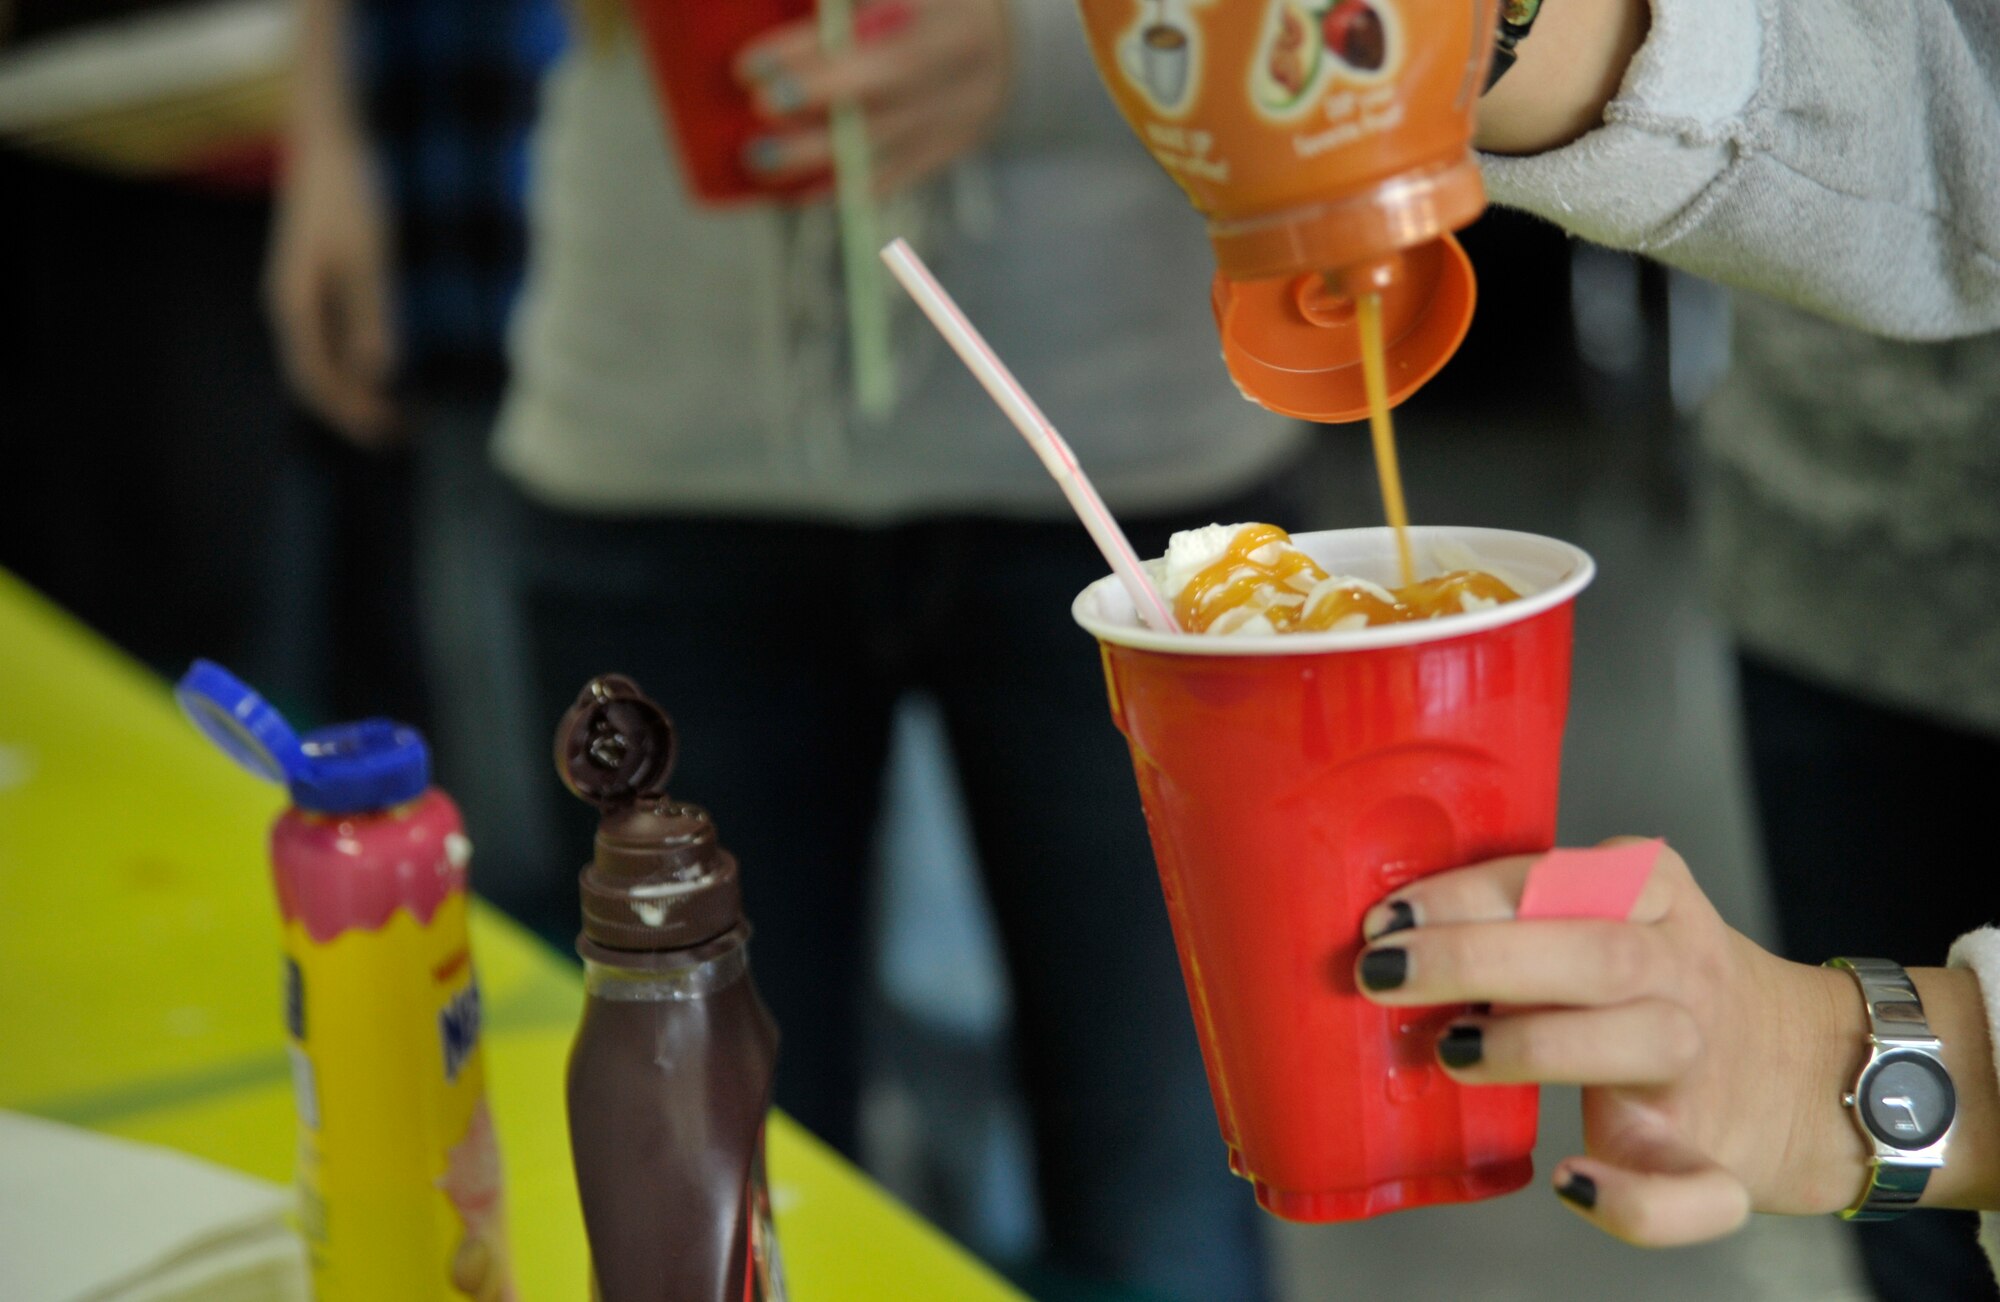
1291	782
692	47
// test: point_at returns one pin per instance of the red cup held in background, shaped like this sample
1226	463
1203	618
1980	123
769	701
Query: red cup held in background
692	47
1291	782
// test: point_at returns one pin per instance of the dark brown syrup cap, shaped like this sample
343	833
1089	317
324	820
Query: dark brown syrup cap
659	878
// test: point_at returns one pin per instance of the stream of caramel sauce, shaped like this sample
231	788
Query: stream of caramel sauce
1381	430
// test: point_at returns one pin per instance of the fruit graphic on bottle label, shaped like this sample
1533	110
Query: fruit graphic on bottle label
1291	55
1308	48
1353	30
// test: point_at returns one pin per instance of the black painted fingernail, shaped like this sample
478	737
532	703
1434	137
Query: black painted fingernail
1401	918
1462	1047
1579	1190
1384	969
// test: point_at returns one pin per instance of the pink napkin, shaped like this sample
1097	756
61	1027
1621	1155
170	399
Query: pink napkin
1600	883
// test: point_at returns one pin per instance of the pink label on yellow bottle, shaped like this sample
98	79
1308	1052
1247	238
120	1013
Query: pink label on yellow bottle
399	1174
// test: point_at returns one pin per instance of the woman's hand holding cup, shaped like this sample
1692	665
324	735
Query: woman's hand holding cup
930	77
1712	1070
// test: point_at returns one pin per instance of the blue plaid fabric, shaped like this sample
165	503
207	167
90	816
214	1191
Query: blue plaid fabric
449	88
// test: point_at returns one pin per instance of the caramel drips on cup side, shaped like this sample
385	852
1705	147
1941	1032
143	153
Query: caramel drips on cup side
1236	578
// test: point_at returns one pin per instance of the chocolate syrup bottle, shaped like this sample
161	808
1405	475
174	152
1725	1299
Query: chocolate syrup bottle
670	1076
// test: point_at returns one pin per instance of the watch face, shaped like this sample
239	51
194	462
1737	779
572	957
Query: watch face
1907	1101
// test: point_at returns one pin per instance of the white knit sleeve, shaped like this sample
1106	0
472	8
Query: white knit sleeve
1979	951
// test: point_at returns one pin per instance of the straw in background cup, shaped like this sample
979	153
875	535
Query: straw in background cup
869	348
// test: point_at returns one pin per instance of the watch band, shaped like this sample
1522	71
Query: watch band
1895	1019
1892	1190
1517	19
1894	1010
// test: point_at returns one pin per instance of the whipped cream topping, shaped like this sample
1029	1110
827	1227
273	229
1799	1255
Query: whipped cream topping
1192	552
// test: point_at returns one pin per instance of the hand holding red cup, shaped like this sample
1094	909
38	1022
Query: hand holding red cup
930	76
1712	1069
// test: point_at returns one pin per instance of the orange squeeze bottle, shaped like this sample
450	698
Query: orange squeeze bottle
1329	145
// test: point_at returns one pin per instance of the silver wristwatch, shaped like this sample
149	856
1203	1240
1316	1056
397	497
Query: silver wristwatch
1903	1101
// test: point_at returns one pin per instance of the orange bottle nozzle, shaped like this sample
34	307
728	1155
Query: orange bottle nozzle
1293	346
1373	276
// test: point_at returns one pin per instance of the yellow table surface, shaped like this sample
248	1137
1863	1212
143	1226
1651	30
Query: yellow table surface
139	991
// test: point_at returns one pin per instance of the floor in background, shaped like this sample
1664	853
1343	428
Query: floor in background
1652	748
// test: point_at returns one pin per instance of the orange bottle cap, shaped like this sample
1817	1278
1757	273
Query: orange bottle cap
1293	346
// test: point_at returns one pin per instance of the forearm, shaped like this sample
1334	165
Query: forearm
1836	154
323	93
1563	76
329	266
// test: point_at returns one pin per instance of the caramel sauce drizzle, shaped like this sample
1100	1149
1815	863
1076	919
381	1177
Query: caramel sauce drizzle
1284	584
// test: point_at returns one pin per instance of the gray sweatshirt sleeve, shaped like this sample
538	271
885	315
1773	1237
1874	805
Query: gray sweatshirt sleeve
1842	155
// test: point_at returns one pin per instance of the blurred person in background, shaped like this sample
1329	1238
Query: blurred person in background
394	263
704	509
1838	157
140	409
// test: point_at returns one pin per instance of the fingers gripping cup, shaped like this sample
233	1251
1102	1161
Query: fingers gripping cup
1289	782
691	48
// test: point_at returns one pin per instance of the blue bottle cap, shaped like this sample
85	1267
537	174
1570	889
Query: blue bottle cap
348	768
248	728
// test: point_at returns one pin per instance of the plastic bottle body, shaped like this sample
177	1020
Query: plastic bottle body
1312	135
669	1083
398	1170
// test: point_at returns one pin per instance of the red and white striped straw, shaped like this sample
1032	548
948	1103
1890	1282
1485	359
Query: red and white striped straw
1056	456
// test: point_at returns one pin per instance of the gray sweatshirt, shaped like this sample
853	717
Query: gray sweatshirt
670	358
1842	156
